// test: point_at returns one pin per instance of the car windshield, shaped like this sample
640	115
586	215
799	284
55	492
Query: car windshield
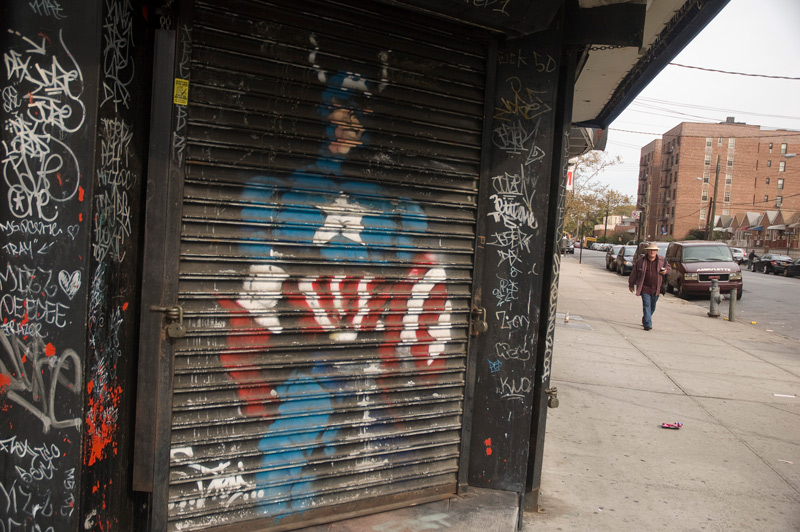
629	251
707	254
615	249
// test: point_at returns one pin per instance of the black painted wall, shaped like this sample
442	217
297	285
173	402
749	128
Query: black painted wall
516	230
120	151
49	87
75	91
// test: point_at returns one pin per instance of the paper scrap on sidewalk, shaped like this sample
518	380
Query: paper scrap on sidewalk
675	425
790	396
786	462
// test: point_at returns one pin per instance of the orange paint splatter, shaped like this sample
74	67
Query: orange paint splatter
89	386
5	380
49	350
125	306
100	429
58	176
80	217
80	193
488	444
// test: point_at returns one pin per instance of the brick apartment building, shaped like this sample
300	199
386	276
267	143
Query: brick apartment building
748	170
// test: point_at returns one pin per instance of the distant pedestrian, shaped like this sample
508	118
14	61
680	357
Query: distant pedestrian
646	280
751	259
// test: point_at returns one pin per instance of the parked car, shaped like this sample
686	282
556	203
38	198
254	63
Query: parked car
624	261
611	257
738	255
793	269
570	248
772	263
640	250
695	263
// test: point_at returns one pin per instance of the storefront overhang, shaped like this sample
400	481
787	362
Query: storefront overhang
622	44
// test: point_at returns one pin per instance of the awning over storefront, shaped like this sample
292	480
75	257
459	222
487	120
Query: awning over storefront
757	228
779	227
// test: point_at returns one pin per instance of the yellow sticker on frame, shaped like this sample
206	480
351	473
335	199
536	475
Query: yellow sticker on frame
181	95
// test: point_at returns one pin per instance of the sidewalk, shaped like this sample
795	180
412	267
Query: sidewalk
608	464
734	466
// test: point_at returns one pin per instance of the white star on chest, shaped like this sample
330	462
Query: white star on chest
341	218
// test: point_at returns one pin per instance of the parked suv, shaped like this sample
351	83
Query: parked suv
696	262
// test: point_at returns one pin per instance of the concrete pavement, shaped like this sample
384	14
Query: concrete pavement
608	465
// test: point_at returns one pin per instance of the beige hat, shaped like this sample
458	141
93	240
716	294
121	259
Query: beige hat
651	245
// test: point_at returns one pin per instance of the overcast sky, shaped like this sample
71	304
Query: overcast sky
747	36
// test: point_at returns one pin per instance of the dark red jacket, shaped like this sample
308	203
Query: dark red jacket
637	273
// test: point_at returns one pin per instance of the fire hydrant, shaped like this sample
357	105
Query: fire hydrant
715	299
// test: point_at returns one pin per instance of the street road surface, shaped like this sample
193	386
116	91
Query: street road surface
773	302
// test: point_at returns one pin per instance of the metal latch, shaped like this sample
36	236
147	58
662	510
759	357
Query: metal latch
552	397
479	324
175	315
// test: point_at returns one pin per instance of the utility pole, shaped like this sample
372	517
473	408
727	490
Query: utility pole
712	207
605	227
641	235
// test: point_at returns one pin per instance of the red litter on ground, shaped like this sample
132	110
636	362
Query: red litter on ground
675	425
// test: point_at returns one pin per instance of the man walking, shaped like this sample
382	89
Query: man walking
750	259
646	279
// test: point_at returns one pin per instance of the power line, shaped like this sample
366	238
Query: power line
777	133
734	73
708	108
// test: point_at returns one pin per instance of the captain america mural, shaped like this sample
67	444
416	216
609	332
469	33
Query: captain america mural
320	243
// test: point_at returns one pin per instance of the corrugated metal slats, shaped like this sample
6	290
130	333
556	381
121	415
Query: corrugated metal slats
332	156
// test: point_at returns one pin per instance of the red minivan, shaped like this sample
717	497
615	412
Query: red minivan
696	262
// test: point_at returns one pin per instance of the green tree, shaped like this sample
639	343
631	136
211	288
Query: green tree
590	201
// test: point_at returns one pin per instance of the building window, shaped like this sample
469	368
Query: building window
708	142
727	196
767	181
704	196
703	213
769	164
778	201
780	183
708	160
731	143
730	160
719	141
728	179
782	166
766	198
783	149
676	158
726	212
706	176
770	147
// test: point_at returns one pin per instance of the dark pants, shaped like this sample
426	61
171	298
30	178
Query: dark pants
648	307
